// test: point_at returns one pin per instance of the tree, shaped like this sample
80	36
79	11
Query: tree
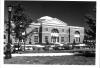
91	23
20	19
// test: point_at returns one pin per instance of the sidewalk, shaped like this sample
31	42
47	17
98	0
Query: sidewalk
42	54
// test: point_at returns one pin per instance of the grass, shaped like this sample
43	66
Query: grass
78	59
55	60
48	51
58	51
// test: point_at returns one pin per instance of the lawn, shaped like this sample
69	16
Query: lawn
55	60
57	51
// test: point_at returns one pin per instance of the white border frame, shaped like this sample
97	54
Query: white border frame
97	65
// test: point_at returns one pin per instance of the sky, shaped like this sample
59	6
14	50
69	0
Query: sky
71	12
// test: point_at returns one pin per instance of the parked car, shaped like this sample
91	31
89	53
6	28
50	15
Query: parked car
16	48
68	47
28	48
33	47
47	47
80	46
58	46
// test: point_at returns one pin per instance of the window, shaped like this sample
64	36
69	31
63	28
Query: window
36	39
46	39
46	29
77	32
36	30
57	39
6	29
4	36
30	41
54	31
62	39
77	36
77	39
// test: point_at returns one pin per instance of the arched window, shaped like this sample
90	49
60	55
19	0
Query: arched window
77	32
54	31
77	36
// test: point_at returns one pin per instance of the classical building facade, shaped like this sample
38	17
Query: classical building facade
53	30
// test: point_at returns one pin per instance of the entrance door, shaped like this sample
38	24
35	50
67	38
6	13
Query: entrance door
54	39
54	35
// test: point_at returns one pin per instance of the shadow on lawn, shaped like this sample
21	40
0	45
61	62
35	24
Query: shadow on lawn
85	54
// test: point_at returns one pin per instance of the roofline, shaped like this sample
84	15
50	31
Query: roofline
76	26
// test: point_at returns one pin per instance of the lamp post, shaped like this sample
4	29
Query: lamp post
8	46
69	34
23	35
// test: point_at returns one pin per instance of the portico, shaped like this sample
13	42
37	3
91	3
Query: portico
54	36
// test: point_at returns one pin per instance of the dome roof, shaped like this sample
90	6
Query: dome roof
51	21
46	17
